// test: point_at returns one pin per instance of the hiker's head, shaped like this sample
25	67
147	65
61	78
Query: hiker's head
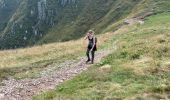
91	32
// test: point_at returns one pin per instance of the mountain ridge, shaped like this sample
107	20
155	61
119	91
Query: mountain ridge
46	21
35	22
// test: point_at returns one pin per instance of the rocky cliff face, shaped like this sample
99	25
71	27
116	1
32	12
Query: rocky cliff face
7	9
28	22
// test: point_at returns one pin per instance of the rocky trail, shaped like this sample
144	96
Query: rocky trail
24	89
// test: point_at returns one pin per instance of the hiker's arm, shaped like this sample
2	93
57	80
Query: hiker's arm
86	36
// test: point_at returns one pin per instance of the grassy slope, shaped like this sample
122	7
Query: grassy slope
96	15
139	66
29	62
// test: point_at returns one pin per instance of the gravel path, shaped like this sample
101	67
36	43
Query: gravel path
26	88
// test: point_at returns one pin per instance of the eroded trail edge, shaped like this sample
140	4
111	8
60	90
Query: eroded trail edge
24	89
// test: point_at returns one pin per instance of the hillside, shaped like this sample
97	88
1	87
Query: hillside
135	32
138	70
33	22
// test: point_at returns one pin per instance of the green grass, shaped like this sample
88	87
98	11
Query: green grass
139	66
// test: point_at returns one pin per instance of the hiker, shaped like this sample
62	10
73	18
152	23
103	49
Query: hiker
91	48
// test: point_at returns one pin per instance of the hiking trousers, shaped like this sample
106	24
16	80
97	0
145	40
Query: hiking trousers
90	54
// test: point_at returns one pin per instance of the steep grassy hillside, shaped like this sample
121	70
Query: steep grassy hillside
138	70
29	22
95	15
60	20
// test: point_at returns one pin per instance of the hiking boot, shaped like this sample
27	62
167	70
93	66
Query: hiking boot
92	62
87	61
